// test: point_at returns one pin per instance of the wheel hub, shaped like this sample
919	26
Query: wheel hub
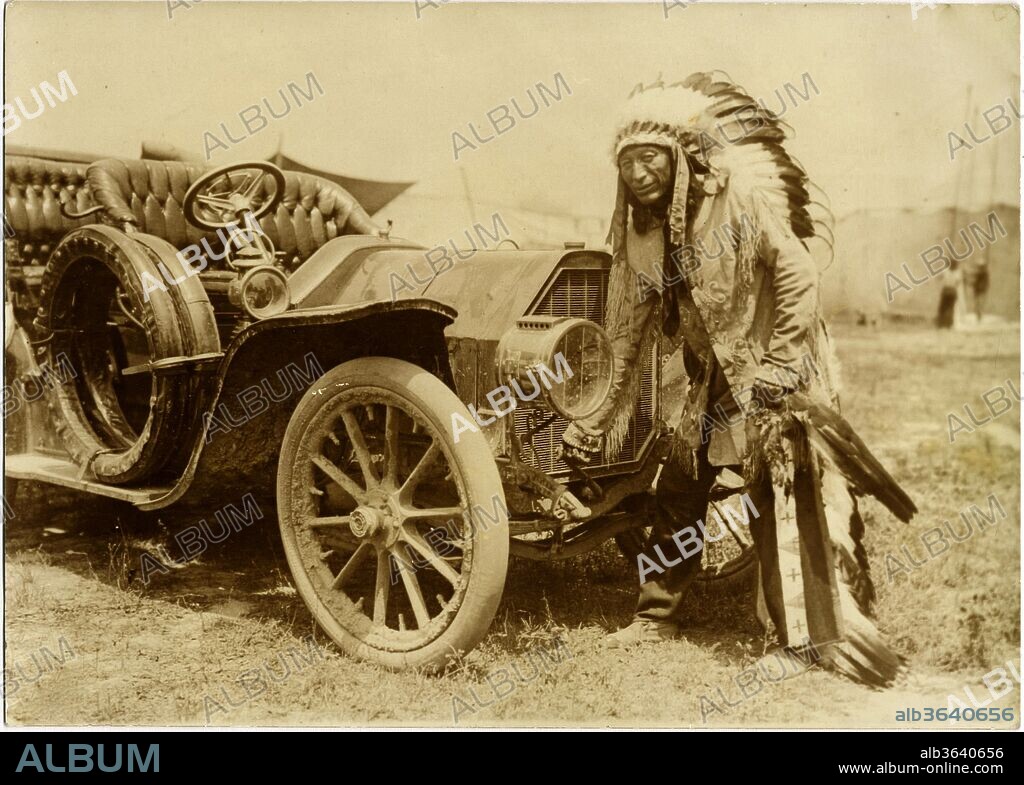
367	522
376	524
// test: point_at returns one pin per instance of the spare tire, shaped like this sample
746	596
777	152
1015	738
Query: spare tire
87	279
199	333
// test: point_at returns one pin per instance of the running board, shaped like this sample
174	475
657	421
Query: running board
60	471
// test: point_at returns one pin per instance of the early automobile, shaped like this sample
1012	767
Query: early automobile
145	296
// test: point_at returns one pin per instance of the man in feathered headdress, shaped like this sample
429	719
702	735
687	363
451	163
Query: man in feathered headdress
709	237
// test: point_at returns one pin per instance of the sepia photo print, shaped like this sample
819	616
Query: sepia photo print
552	365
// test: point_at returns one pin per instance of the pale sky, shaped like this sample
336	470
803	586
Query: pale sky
396	87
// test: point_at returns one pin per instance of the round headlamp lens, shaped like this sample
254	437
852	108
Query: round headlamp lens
264	292
585	350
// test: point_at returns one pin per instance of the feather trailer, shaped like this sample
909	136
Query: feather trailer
862	655
838	444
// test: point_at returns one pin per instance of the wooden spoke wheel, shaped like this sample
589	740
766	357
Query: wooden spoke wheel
396	533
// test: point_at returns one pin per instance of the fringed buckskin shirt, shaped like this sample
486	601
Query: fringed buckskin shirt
749	310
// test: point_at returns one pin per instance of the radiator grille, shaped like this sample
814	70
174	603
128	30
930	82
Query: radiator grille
582	293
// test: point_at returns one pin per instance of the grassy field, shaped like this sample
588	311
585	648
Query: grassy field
225	640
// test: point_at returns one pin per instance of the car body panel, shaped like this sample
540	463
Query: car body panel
490	289
217	463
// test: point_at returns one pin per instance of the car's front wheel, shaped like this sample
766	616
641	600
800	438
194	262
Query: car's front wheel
395	529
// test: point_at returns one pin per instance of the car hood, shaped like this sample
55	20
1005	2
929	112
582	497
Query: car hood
490	289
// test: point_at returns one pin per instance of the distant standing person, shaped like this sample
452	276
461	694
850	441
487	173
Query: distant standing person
975	278
950	282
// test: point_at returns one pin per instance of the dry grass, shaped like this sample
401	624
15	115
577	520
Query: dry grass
159	654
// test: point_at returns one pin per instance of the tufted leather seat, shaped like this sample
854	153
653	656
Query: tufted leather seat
33	191
149	195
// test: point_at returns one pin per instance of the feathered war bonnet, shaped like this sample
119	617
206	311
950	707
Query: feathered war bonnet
662	116
713	127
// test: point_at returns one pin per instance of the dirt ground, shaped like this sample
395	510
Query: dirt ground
225	640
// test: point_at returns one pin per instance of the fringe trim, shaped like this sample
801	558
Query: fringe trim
617	229
619	313
776	445
684	456
620	425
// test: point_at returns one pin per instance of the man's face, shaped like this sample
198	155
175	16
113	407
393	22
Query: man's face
647	170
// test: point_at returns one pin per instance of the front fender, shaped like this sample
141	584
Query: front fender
271	362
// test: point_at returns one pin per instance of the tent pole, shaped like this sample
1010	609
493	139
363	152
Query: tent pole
469	199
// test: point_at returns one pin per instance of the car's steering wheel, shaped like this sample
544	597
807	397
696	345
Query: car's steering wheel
224	196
